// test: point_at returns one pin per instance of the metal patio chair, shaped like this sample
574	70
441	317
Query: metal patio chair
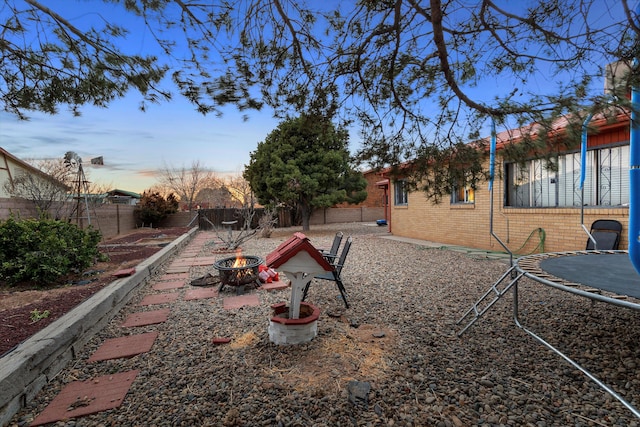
334	275
332	253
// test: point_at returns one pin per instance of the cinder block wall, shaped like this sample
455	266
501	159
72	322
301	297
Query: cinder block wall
336	215
111	220
180	219
469	224
19	208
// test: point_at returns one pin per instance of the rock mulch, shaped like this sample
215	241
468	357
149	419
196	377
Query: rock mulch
392	359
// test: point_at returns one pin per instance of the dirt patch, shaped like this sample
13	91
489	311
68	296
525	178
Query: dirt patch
362	351
26	309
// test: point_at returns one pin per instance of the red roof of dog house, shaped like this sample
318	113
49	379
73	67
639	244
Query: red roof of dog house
295	245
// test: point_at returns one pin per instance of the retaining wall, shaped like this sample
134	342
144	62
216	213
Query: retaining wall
31	365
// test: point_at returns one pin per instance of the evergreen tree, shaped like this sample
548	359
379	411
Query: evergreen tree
153	208
304	164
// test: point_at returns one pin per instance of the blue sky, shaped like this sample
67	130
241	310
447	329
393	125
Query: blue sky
136	144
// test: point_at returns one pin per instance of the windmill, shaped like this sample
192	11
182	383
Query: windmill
74	162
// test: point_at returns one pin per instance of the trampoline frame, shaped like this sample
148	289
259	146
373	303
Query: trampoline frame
509	280
560	284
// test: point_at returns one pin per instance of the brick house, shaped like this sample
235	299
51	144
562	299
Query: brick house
534	209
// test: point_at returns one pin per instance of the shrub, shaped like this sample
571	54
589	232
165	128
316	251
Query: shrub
153	208
43	250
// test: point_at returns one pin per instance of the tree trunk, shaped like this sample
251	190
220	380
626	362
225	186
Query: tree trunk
305	213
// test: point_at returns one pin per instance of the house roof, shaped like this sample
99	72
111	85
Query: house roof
117	192
599	122
30	168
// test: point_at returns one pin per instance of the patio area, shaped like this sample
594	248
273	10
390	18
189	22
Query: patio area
392	359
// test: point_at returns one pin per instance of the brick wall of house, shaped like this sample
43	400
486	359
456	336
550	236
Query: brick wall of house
375	195
469	224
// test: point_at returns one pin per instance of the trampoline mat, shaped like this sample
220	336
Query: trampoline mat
608	272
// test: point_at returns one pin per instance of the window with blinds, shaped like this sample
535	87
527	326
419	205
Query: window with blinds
535	184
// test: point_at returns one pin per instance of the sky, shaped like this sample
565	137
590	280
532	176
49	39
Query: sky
136	144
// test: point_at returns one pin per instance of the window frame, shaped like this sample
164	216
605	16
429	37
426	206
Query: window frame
463	195
606	182
400	193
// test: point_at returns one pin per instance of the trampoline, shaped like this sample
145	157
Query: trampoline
610	276
606	276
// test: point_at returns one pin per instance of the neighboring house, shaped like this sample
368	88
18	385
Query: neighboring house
122	197
12	167
535	209
376	196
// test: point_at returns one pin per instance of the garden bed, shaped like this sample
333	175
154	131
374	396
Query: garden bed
26	309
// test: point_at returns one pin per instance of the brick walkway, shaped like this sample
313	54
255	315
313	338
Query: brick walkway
81	398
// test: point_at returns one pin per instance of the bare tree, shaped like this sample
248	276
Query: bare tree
240	190
59	190
161	189
186	182
47	190
213	197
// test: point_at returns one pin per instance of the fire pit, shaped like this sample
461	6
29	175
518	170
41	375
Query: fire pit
238	271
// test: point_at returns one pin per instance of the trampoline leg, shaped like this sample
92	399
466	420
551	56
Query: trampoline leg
567	358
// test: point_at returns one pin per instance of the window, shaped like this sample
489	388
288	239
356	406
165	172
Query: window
535	184
463	194
400	194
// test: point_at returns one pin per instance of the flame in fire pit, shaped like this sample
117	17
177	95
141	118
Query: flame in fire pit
240	260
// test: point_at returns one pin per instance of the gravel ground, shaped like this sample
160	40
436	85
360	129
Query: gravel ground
399	337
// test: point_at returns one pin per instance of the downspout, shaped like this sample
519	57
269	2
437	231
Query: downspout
389	207
634	170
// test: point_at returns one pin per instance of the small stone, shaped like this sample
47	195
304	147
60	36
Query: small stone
358	392
456	421
486	383
377	409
